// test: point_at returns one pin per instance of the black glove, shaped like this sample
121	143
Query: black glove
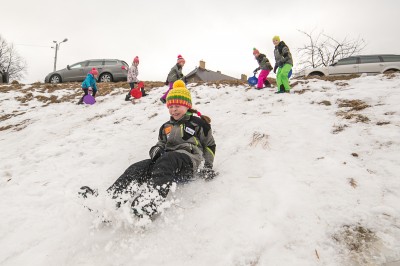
166	82
184	79
275	68
256	70
207	173
280	64
155	152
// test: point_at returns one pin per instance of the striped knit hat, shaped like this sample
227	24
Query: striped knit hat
179	95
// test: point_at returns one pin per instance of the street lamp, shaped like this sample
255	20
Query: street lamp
56	48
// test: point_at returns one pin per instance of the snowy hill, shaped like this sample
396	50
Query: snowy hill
310	178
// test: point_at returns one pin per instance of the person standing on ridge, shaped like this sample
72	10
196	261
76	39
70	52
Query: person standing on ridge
283	63
174	74
265	67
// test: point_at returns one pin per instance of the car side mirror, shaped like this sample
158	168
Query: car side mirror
68	67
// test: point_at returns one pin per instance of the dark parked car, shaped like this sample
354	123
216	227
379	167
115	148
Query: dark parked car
109	70
370	64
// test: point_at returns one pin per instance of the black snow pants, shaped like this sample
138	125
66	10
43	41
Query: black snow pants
159	175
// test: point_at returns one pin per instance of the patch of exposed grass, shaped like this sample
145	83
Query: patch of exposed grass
391	74
352	182
302	91
332	78
26	98
153	115
353	116
16	127
338	128
260	138
381	123
389	113
354	105
218	84
356	239
341	84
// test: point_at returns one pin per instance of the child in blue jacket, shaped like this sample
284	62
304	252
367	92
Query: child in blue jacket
89	84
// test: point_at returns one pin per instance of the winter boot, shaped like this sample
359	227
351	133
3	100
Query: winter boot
127	97
143	92
281	89
163	100
267	84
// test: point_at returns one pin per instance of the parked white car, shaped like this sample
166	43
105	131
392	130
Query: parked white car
370	64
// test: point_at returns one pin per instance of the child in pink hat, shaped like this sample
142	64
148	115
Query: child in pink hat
174	74
133	72
265	66
89	84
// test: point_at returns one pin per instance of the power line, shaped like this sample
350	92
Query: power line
33	45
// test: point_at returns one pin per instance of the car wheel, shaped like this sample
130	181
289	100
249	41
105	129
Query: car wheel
316	74
390	71
55	79
106	77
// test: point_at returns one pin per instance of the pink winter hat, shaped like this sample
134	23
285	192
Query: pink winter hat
136	59
94	71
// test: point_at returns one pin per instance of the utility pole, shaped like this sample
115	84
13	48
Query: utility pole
56	49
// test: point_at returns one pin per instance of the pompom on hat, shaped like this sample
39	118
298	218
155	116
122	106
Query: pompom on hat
276	38
180	59
94	71
179	95
136	59
255	51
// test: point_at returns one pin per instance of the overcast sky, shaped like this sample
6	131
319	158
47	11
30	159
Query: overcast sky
222	33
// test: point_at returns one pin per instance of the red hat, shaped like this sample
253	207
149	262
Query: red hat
180	59
136	59
94	71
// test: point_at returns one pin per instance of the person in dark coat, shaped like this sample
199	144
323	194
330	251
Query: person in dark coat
174	74
184	143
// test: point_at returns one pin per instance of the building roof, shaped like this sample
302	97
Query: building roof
208	75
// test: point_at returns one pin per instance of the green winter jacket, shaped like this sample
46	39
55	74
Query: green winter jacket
282	54
190	135
175	73
263	62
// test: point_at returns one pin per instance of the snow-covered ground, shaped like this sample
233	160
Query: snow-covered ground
303	179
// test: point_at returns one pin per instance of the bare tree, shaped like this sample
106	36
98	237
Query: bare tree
324	50
11	61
